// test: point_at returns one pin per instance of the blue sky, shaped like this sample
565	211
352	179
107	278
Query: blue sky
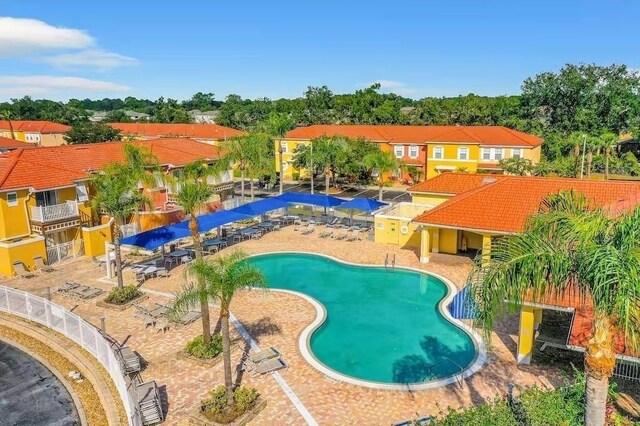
62	49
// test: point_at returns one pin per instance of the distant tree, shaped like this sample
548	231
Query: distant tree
117	116
88	132
516	166
324	156
201	101
169	111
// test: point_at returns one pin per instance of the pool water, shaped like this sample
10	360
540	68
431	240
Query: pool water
381	326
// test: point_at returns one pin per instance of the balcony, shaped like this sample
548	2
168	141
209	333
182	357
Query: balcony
56	212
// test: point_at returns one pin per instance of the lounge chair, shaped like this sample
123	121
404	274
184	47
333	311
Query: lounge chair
353	237
309	229
22	270
162	272
84	292
268	366
257	357
325	234
67	287
340	236
333	223
188	318
149	403
40	265
129	360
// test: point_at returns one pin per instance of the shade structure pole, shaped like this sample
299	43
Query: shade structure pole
311	165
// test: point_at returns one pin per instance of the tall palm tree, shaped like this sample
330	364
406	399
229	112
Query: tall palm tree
259	158
8	115
116	193
222	276
236	154
571	247
382	162
609	142
277	125
193	192
326	153
144	166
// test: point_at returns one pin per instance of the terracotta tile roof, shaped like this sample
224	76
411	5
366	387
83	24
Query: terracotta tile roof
8	143
453	183
51	167
482	135
158	130
32	126
504	205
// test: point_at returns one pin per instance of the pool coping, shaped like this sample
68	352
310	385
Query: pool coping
304	343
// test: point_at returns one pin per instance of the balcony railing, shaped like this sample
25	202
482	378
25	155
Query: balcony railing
55	212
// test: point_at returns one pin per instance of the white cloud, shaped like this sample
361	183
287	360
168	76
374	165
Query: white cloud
393	86
45	85
18	35
91	58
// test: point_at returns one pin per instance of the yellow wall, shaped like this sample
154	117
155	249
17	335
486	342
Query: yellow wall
14	221
287	158
52	139
448	241
23	251
429	199
17	134
533	154
95	239
389	231
474	240
450	158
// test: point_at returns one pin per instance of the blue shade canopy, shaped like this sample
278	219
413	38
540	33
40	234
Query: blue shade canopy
463	306
312	199
256	208
209	221
155	238
364	204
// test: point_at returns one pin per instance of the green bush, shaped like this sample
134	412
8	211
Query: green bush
216	408
120	296
497	413
237	173
197	348
295	176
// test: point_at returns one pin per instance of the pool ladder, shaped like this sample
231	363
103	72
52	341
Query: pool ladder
459	376
389	262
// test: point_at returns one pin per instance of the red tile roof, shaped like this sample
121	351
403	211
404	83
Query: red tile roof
158	130
51	167
32	126
504	205
482	135
453	183
8	143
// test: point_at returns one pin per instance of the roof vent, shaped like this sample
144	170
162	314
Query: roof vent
489	180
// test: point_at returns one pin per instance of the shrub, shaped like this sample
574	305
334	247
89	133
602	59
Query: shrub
197	348
493	414
295	175
120	296
216	408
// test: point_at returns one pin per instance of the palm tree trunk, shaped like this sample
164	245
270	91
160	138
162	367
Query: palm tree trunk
380	185
281	169
599	362
589	163
242	178
13	136
204	305
251	189
138	221
606	163
226	352
116	245
327	177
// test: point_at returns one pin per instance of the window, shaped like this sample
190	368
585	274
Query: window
463	153
516	152
81	192
12	198
497	154
437	152
283	147
46	198
486	153
413	151
399	151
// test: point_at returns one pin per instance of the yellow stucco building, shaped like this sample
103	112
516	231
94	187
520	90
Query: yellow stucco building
38	133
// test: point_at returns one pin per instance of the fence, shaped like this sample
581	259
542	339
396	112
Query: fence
627	369
57	318
59	252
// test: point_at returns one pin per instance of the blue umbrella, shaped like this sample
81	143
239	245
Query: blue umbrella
256	208
312	199
206	222
157	237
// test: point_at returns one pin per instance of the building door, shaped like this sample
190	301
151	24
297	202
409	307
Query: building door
393	235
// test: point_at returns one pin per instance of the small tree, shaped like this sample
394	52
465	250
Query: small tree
87	132
321	153
117	195
144	167
258	148
609	142
222	277
276	125
516	166
237	155
381	162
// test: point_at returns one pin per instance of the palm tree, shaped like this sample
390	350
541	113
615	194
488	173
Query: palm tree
258	148
222	277
144	166
382	162
8	116
570	247
326	153
236	154
193	192
277	125
116	194
609	142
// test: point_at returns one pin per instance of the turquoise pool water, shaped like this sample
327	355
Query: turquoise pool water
381	326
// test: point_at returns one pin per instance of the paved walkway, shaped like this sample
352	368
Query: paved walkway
277	319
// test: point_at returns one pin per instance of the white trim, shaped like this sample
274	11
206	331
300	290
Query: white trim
466	149
304	343
520	154
395	151
417	151
477	231
15	202
453	160
434	153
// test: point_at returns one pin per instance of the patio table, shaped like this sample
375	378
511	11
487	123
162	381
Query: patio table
178	253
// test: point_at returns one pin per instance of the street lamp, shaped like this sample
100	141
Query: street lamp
311	164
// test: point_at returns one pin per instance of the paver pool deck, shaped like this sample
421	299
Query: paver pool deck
277	319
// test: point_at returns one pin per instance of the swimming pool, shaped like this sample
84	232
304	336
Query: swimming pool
376	327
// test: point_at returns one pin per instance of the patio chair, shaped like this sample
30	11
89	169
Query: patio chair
84	292
268	366
185	259
340	236
67	287
353	237
256	235
41	265
22	270
168	262
333	223
128	359
257	357
148	400
162	325
188	318
162	273
309	229
325	234
140	278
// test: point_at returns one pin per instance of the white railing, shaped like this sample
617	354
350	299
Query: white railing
129	230
55	212
45	312
59	252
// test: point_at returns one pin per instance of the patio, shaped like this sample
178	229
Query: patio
276	319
